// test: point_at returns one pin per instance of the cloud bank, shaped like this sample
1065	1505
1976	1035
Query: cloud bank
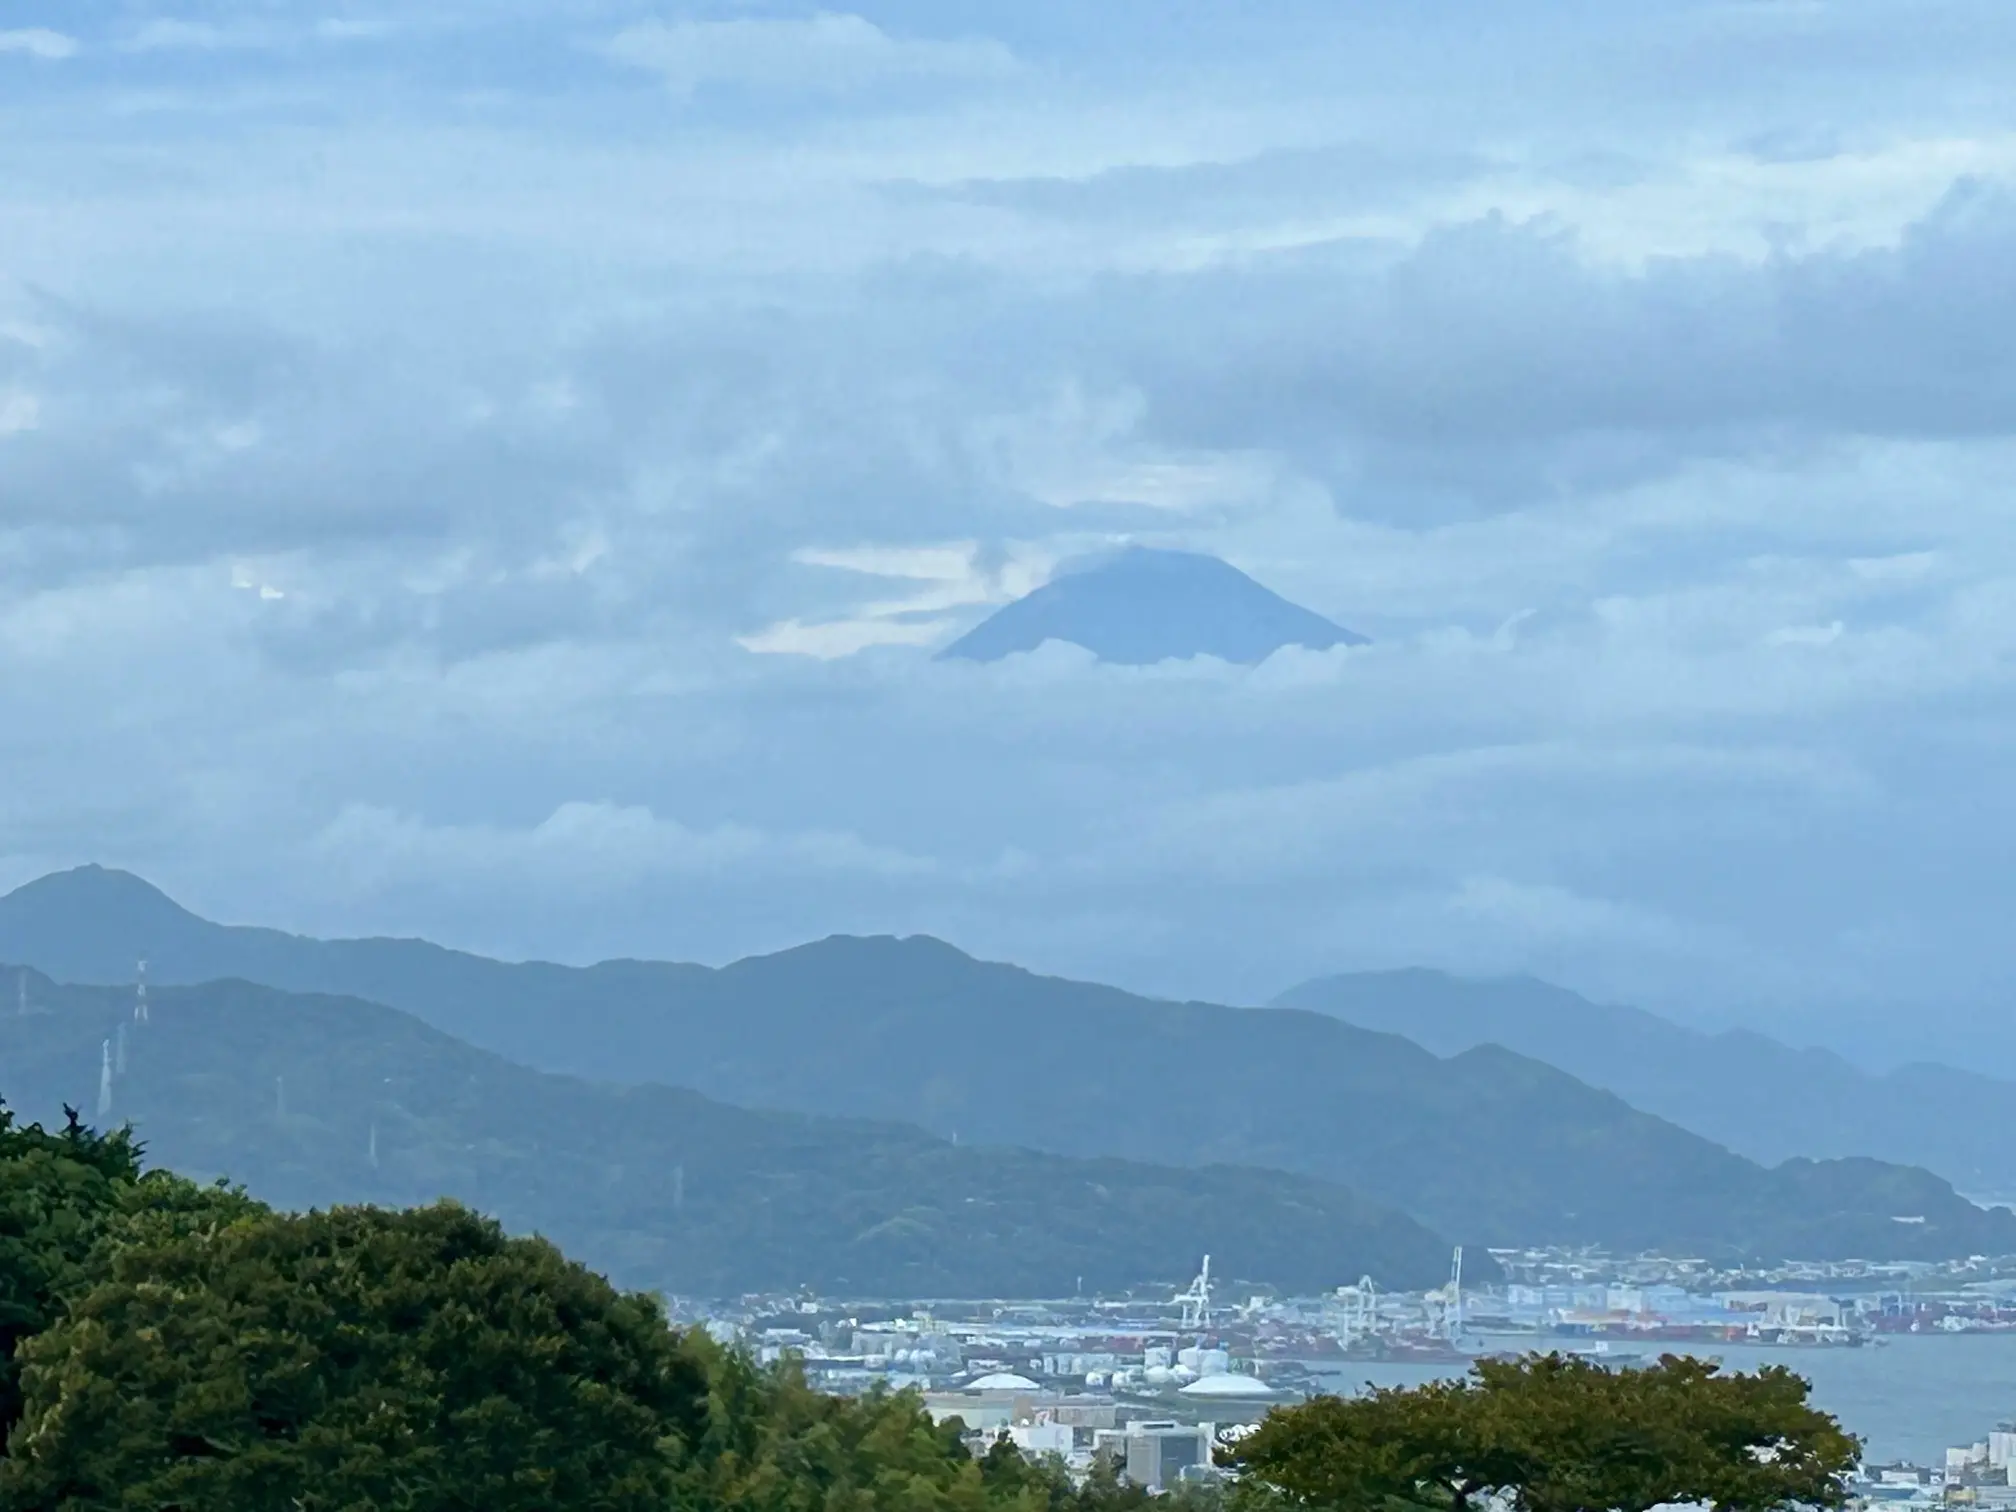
502	472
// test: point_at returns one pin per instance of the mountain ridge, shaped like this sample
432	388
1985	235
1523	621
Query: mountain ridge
312	1100
1487	1148
1757	1095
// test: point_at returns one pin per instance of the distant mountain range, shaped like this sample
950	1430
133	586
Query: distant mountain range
312	1100
1141	606
1487	1146
1758	1096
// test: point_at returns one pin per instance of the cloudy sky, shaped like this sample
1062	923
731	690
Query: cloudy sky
499	469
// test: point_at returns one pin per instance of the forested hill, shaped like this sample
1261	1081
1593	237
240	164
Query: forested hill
1487	1146
313	1100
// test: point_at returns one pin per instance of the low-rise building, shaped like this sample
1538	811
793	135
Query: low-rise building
1155	1455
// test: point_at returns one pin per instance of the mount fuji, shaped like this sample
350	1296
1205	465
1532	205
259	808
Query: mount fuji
1142	605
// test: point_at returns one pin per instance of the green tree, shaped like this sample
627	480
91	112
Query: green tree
773	1444
161	1207
1553	1434
350	1359
770	1443
57	1192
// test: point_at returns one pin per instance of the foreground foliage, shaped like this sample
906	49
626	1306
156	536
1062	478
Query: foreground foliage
58	1193
1550	1433
772	1444
354	1358
168	1345
175	1347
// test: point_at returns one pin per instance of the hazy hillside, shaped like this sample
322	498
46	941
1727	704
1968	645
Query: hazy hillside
1754	1094
312	1100
1487	1146
1141	606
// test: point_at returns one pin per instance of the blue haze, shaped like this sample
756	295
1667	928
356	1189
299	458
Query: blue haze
503	472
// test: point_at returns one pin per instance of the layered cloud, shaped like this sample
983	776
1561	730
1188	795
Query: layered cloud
38	42
503	471
825	53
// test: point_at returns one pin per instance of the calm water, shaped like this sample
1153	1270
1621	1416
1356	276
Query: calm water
1908	1399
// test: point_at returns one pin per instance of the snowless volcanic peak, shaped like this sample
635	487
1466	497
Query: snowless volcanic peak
1142	605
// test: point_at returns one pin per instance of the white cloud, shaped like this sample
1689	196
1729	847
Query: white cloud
832	639
170	34
1079	449
1906	566
603	847
354	29
1460	811
824	54
953	563
1808	635
957	576
19	411
38	42
1525	914
246	579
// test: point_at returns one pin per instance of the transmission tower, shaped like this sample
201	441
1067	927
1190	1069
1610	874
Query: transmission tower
105	1082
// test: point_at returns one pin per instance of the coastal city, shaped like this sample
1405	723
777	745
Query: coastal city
788	756
1156	1381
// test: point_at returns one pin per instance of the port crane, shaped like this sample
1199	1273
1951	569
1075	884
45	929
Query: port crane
1360	1307
1452	1299
1196	1300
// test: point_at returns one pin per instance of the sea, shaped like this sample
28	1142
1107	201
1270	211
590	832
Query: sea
1908	1398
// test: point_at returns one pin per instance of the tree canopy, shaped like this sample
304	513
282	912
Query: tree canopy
773	1444
1550	1433
350	1359
57	1193
175	1346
